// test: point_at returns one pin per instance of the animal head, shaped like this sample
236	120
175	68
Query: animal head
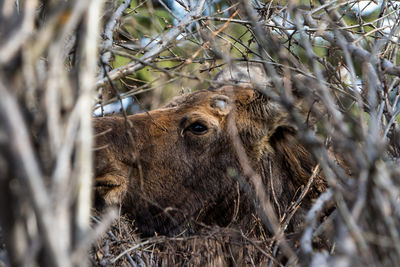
177	163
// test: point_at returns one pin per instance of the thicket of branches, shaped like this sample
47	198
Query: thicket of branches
61	62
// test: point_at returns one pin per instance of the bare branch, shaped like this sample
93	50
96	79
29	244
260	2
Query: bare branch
157	47
356	51
108	36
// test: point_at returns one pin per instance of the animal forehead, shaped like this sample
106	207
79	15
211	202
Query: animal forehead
220	97
196	98
239	94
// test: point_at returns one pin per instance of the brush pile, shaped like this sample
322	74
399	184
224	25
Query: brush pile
53	80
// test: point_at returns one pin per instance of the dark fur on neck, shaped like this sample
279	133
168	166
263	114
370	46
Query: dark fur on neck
285	164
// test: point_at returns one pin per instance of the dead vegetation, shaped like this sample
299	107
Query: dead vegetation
121	246
52	79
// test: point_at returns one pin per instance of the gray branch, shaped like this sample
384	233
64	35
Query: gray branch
356	51
155	48
108	35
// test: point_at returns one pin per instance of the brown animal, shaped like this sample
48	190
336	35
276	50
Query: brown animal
179	164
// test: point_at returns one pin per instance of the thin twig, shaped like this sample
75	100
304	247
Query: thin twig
158	47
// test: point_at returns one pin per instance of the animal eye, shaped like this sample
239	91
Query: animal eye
197	128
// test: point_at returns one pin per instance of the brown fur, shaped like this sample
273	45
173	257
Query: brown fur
164	175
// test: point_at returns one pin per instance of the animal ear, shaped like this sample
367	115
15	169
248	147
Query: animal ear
251	75
268	116
244	74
